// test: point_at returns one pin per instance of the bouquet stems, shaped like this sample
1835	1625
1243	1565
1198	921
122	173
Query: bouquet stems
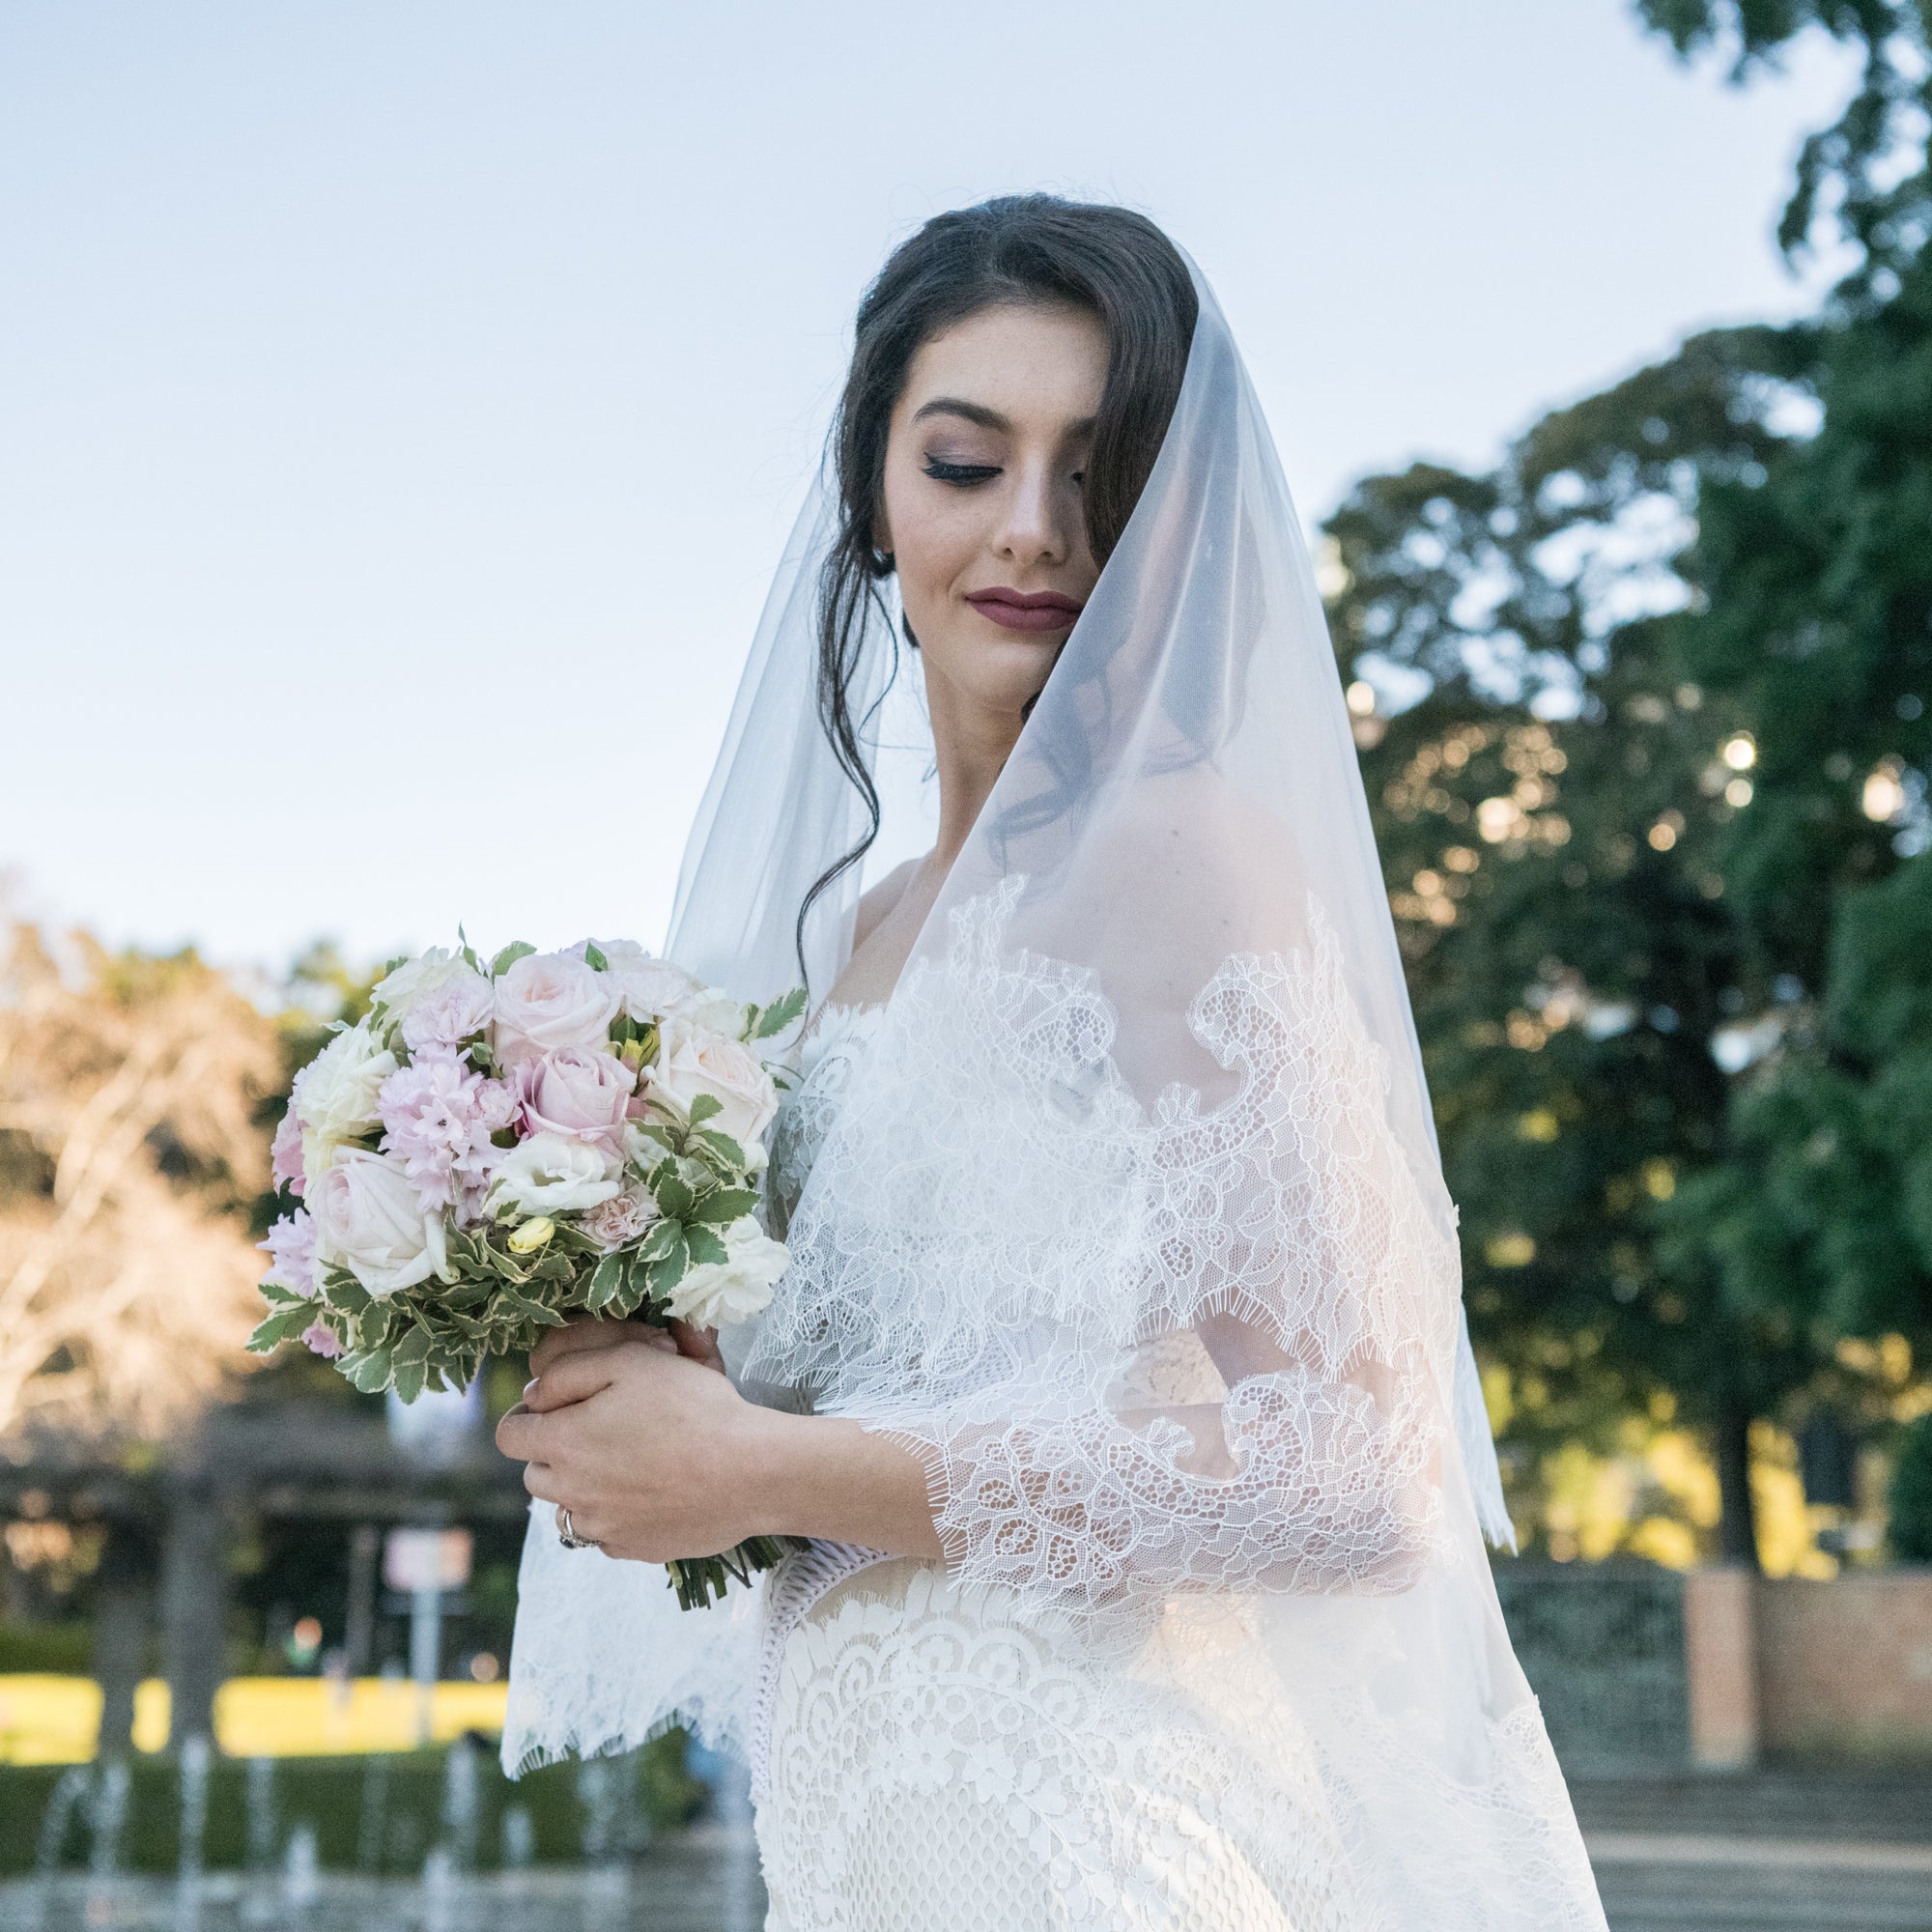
702	1580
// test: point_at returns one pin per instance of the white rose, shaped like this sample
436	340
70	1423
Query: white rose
370	1219
549	1175
715	1294
334	1096
693	1060
413	978
549	1001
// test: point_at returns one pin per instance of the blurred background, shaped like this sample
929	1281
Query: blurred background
373	374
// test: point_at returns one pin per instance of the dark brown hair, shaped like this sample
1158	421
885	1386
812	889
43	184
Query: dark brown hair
1032	249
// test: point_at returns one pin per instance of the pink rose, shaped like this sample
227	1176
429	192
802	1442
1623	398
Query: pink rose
549	1001
576	1096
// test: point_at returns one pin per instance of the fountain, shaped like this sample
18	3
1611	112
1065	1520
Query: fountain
439	1893
459	1804
259	1807
374	1816
192	1768
300	1873
70	1790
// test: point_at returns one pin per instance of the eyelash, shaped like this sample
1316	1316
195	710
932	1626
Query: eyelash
963	475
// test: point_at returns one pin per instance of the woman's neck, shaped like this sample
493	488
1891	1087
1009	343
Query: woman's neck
971	746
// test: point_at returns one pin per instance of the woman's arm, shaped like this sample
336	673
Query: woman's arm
657	1456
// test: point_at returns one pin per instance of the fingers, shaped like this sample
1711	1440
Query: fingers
516	1434
697	1344
574	1378
586	1331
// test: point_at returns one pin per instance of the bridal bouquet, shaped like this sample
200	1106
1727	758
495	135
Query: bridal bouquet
497	1147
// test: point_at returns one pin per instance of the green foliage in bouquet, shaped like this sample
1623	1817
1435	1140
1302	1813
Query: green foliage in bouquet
519	1280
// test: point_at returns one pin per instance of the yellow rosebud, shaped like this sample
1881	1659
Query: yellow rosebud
532	1235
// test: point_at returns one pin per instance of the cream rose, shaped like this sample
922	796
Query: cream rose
715	1294
549	1175
548	1002
334	1097
693	1060
370	1220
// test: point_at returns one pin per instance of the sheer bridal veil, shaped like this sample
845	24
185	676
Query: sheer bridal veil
1132	1223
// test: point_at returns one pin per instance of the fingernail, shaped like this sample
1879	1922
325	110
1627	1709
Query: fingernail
531	1387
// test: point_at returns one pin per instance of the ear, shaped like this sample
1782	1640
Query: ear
882	529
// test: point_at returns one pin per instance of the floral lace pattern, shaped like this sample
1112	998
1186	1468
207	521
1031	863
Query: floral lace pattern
1142	1694
1288	1210
939	1762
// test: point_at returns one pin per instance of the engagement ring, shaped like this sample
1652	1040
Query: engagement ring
568	1536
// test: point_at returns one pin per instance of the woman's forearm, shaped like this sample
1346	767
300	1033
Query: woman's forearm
828	1477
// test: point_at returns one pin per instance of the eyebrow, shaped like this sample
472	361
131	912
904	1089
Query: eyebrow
973	413
979	414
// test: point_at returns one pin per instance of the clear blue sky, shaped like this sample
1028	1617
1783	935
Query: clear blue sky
401	406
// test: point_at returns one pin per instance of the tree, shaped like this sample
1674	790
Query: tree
1649	770
129	1148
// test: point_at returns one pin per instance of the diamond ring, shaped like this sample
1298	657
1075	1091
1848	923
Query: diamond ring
568	1536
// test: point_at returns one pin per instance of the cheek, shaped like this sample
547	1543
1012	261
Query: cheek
936	534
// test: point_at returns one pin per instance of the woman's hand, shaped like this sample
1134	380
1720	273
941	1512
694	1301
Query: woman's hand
654	1454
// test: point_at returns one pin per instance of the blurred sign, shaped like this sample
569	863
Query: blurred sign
440	1425
426	1559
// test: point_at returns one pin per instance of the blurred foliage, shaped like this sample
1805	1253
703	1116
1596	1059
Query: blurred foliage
1865	174
1910	1497
1647	755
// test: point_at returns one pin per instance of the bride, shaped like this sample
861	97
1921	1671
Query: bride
1119	1375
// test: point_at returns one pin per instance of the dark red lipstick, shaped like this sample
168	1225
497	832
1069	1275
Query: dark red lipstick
1025	609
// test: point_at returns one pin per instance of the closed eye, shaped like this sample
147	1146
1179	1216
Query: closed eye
961	474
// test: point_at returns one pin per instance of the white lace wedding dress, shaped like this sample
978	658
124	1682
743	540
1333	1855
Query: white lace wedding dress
928	1757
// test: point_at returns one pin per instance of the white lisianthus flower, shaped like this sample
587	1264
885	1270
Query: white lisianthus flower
401	989
693	1060
549	1175
334	1097
716	1294
370	1219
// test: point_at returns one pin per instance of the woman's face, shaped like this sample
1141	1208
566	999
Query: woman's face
983	515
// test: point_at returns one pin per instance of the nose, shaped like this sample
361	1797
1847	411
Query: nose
1035	528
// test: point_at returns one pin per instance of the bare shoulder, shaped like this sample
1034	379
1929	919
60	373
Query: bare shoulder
1202	845
878	902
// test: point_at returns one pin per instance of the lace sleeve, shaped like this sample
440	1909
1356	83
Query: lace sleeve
1293	1439
1326	1490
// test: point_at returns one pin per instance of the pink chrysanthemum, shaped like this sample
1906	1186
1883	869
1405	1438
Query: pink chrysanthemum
438	1116
285	1157
290	1251
322	1340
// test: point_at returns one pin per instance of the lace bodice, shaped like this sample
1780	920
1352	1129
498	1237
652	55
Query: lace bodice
826	1059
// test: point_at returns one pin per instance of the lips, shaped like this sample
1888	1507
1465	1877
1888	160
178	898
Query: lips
1024	610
